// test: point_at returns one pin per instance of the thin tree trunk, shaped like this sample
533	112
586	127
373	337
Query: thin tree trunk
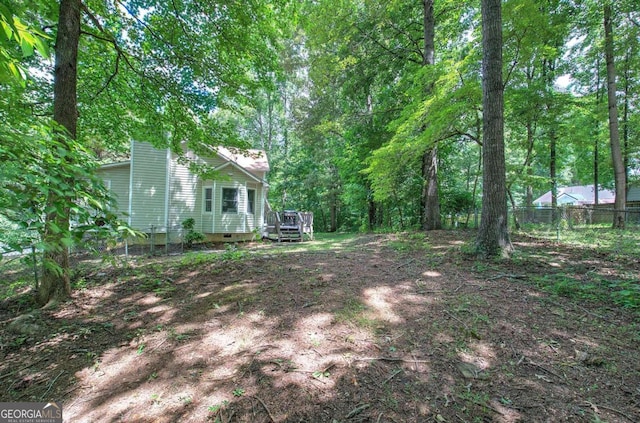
55	284
516	222
596	134
553	175
529	172
493	235
625	119
614	135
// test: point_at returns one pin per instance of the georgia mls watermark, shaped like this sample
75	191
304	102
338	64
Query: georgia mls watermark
30	412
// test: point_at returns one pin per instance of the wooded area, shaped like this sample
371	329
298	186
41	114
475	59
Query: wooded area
375	115
383	122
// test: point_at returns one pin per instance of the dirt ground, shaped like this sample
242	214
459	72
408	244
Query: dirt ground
377	328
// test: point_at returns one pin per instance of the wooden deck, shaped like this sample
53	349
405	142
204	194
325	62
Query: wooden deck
288	226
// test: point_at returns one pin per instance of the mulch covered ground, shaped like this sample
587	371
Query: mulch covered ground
379	328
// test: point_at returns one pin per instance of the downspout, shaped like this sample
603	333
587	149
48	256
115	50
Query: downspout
213	208
246	206
130	205
166	193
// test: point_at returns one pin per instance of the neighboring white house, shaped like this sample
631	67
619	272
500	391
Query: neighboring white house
577	196
156	191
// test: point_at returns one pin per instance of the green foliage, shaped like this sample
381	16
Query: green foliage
161	287
457	201
37	165
625	293
18	40
191	236
193	259
233	253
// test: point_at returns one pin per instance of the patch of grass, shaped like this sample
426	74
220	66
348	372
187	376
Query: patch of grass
193	258
594	237
161	287
322	242
625	293
178	337
233	253
15	288
408	242
353	312
197	258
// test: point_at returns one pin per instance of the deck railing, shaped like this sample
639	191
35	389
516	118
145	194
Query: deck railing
289	225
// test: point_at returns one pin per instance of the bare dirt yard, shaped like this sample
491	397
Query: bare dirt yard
368	328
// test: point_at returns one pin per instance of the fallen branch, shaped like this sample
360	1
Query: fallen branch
613	410
24	368
359	409
158	346
405	263
394	374
405	360
505	275
481	404
51	385
265	407
551	372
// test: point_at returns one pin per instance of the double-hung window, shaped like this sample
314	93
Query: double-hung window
251	201
208	200
229	200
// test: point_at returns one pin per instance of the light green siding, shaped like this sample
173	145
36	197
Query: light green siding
149	187
164	192
116	179
237	222
183	187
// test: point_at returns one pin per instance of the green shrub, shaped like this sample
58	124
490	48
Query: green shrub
191	236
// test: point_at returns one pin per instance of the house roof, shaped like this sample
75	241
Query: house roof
579	195
251	160
633	194
241	169
116	164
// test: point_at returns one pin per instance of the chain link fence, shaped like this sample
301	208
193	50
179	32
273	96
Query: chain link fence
559	218
155	241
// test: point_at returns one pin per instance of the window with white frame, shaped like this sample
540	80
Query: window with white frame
229	200
208	200
251	201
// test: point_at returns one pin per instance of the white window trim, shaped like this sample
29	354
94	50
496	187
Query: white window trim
253	213
204	199
237	189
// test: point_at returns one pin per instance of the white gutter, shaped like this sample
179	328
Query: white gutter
166	192
213	208
130	207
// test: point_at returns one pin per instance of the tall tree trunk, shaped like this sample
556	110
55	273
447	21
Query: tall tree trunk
493	234
55	284
596	169
529	172
553	140
625	119
596	135
430	199
614	135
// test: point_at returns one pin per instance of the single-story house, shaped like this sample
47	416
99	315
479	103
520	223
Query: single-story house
579	195
633	197
156	191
